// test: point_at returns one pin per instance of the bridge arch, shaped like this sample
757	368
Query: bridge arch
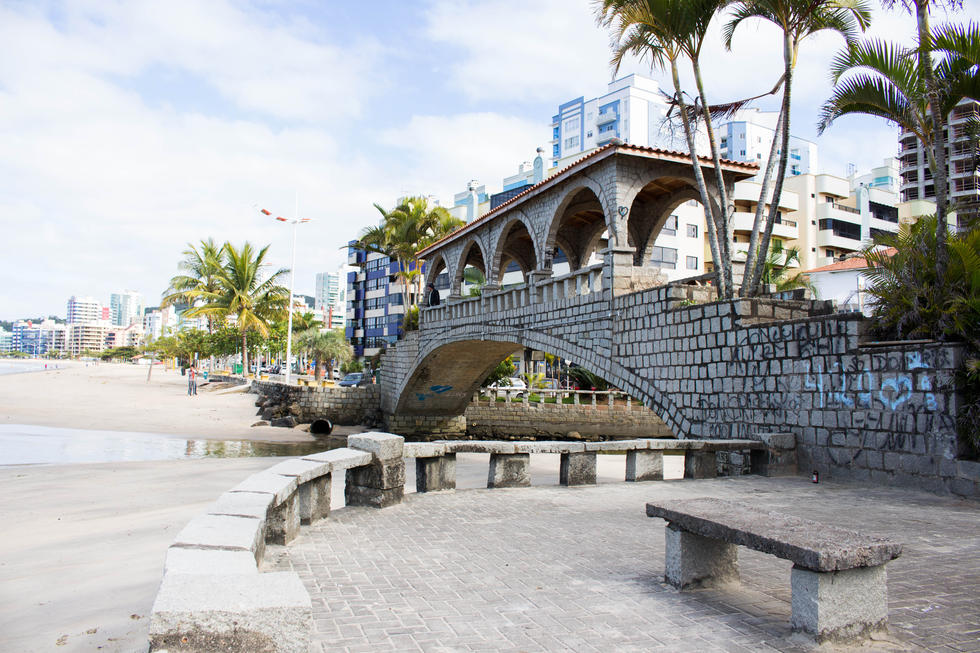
450	368
651	207
472	254
576	226
515	242
434	267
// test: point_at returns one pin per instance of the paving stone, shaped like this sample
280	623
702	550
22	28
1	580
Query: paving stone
221	532
341	459
303	470
582	569
384	446
281	487
242	504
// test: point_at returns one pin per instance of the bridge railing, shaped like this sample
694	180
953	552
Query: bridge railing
586	281
561	397
581	282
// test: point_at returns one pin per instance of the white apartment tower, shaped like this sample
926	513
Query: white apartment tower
126	308
632	110
964	179
83	309
748	137
330	299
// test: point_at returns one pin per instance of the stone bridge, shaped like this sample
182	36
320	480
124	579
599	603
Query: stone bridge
708	368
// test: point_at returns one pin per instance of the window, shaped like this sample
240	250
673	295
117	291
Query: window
608	127
742	153
377	264
588	134
692	231
571	142
692	262
664	258
572	125
670	227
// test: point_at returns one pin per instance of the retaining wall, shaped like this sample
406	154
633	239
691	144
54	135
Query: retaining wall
350	406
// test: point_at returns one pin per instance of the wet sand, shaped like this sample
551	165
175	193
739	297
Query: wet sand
118	397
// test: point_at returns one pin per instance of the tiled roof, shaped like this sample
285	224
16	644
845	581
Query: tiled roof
748	167
853	263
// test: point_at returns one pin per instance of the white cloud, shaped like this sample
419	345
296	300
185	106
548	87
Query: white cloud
439	154
516	50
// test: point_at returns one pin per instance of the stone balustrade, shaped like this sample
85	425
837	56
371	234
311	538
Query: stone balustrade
213	596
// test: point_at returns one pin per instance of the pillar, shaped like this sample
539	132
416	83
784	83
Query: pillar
509	470
435	473
578	468
644	465
695	561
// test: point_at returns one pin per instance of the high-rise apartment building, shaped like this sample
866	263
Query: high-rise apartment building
633	110
964	177
6	341
748	137
83	309
126	308
377	301
38	338
331	297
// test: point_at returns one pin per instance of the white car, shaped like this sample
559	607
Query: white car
513	387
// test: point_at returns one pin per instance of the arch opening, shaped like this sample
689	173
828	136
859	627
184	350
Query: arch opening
666	228
575	231
516	256
471	273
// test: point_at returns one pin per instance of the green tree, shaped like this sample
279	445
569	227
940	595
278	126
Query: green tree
325	346
882	79
411	226
247	293
504	369
797	19
198	280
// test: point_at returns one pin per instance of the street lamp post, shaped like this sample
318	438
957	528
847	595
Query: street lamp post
292	280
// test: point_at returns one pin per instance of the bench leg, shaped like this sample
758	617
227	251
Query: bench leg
644	465
577	468
436	473
839	605
282	522
695	561
314	500
700	464
509	470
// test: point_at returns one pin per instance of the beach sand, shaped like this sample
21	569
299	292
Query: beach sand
118	397
82	550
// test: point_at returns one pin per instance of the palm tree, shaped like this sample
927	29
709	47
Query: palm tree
325	346
879	78
776	264
408	228
665	31
200	267
242	292
798	19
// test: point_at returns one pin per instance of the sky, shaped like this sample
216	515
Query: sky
131	128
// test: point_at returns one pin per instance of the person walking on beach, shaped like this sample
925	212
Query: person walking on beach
191	381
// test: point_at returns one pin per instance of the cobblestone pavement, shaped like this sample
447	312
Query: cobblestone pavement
581	569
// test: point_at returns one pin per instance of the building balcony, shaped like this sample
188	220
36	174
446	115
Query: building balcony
830	185
606	118
835	211
828	238
785	229
748	191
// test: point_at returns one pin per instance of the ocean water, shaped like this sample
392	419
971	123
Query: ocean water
44	445
17	367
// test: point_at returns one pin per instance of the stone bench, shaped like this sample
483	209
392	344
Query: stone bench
839	589
435	462
213	596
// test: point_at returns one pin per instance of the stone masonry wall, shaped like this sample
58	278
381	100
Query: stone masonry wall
357	405
499	420
729	369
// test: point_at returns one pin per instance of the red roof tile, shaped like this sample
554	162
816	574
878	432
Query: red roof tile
749	167
853	263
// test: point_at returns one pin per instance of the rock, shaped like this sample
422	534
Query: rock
267	414
573	435
261	422
294	410
287	422
260	402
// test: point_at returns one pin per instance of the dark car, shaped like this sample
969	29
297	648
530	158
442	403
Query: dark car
354	379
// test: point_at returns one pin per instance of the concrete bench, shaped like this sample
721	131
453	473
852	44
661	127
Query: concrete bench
839	589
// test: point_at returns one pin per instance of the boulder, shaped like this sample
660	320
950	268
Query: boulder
261	422
286	422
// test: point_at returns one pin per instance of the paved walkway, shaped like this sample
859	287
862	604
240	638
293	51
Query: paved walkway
581	569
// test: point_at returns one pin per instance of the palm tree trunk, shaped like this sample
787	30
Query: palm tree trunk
725	224
244	355
760	208
938	145
709	214
789	57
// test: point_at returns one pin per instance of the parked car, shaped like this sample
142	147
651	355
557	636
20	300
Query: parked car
355	379
514	387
